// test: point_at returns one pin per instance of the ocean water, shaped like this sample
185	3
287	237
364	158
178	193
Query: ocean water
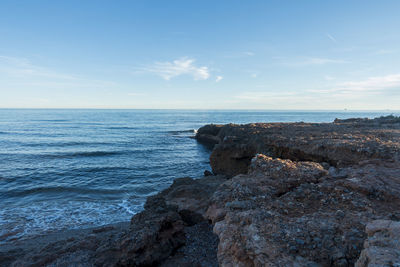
68	169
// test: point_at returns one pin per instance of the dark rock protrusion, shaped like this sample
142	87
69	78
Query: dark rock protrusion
208	173
208	135
339	144
154	235
231	159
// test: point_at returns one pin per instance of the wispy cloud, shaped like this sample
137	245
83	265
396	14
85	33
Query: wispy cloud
329	78
219	78
23	72
384	52
24	67
136	94
373	83
333	39
178	67
314	61
239	54
346	94
278	100
252	73
267	97
249	53
369	85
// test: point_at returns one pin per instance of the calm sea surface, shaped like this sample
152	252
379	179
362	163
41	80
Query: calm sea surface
64	169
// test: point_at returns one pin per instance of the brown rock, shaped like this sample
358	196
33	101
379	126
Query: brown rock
208	134
284	213
152	239
339	144
382	248
231	159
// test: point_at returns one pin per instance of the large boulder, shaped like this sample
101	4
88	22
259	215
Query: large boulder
285	213
154	235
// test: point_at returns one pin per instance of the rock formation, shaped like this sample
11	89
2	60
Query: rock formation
308	202
344	142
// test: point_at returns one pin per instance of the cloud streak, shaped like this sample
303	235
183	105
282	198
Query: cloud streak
375	84
384	52
21	72
333	39
249	53
178	67
350	94
268	97
314	61
17	67
219	78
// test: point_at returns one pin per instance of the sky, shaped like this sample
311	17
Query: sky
308	55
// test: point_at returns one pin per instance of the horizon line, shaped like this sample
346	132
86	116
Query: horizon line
200	109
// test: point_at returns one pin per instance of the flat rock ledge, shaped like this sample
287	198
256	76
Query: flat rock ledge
281	194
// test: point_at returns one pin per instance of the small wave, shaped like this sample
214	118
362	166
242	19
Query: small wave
96	153
184	131
102	169
64	189
190	132
122	128
52	120
64	144
61	155
83	154
19	223
125	205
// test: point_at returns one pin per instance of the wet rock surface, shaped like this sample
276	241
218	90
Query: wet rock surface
286	194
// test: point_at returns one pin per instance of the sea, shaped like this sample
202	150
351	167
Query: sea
73	168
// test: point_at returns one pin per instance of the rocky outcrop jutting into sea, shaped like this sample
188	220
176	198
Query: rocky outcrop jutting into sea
282	194
307	196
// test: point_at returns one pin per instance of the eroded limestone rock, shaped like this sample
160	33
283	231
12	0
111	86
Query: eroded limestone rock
339	144
285	213
382	248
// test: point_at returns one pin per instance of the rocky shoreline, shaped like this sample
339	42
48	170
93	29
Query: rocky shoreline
281	194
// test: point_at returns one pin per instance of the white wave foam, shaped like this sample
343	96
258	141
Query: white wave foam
45	217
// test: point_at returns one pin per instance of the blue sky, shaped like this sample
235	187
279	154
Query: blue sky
200	54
